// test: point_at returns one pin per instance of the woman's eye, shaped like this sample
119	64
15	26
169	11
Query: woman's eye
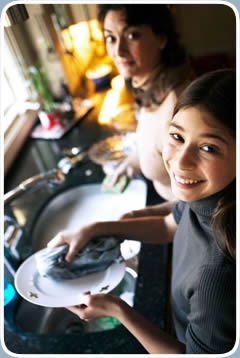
134	35
109	39
176	136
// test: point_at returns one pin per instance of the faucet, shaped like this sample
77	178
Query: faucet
53	176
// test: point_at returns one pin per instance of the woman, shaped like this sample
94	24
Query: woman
144	45
201	144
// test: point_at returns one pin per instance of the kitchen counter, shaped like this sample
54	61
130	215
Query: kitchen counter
151	288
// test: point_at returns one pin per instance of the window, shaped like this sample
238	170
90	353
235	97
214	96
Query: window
16	87
16	96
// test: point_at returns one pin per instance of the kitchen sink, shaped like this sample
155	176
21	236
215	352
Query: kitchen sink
82	205
73	207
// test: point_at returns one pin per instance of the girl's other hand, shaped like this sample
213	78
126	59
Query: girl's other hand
96	306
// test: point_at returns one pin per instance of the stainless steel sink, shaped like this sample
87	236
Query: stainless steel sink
85	204
74	207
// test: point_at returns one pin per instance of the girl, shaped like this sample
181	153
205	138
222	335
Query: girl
200	159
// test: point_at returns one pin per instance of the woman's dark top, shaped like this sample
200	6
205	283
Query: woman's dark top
203	288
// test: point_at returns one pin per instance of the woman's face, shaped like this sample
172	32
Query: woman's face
135	50
200	156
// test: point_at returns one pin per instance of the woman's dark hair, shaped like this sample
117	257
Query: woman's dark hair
215	93
173	64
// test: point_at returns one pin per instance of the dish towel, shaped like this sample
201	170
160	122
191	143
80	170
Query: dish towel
96	256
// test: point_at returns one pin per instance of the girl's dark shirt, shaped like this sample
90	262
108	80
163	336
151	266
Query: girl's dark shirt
203	288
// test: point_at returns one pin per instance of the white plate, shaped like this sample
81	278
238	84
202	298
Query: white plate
50	293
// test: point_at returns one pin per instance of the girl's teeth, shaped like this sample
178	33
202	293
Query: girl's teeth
186	181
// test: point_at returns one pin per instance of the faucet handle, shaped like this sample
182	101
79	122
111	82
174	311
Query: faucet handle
71	152
67	163
55	176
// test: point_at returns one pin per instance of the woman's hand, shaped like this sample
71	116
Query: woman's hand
96	306
76	239
129	167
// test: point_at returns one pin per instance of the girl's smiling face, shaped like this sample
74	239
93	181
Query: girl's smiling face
200	155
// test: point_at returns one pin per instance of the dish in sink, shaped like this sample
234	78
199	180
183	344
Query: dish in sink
47	292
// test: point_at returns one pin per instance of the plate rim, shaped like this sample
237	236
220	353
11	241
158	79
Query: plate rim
115	267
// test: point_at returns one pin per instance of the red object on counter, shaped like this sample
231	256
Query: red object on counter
49	120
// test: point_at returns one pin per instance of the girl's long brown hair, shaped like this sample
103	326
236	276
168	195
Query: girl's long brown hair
215	92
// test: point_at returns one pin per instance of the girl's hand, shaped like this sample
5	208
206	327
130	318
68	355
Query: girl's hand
155	210
96	306
148	211
153	339
76	239
135	214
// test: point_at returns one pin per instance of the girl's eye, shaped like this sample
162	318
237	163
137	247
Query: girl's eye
208	149
176	137
109	39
